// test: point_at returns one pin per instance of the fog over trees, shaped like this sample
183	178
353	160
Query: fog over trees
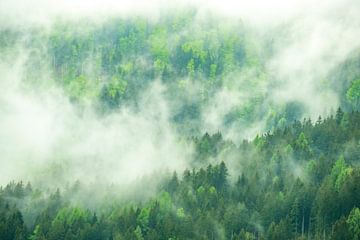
179	119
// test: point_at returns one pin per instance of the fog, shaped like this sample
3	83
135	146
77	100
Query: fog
41	130
43	135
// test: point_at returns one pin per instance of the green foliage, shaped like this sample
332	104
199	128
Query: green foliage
269	192
353	93
354	223
117	87
111	64
300	180
339	172
270	200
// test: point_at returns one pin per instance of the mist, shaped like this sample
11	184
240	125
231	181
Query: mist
297	44
42	130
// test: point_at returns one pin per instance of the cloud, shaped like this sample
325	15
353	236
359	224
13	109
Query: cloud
256	11
299	43
44	136
315	44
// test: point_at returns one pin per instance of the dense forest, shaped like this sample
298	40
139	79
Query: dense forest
269	198
187	124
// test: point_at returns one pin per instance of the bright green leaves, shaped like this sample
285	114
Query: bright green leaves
191	68
114	91
68	222
302	142
302	147
138	233
177	47
70	216
83	89
196	48
353	93
353	222
143	218
78	86
159	65
116	87
259	142
339	172
132	37
200	191
180	213
159	49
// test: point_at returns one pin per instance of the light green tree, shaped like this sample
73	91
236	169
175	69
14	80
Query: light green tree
354	223
353	93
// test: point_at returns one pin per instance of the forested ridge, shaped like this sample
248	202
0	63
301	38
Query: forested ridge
112	64
185	124
265	199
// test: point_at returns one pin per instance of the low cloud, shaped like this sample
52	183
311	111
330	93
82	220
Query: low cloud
299	44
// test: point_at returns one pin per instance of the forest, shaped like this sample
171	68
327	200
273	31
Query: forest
268	200
191	123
